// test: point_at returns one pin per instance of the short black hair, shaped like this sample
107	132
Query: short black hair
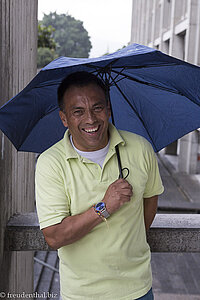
78	79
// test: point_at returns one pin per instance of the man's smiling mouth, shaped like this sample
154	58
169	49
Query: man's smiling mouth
91	130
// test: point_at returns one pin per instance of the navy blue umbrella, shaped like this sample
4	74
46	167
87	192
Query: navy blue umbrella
152	94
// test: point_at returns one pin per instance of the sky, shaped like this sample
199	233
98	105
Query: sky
108	22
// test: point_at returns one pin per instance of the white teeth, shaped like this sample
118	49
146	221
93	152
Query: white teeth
91	130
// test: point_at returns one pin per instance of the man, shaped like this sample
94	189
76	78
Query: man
96	221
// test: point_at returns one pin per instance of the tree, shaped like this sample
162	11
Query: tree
45	56
71	37
46	45
45	38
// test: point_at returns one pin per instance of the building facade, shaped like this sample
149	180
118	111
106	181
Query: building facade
173	27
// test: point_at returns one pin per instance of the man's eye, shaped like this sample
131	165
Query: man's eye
98	108
78	112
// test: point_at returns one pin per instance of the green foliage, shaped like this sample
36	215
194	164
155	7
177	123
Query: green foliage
71	38
46	45
45	38
45	56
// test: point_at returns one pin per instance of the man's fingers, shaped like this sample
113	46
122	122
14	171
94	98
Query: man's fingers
124	198
117	194
122	183
127	191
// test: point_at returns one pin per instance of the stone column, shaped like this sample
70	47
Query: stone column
18	53
187	161
188	156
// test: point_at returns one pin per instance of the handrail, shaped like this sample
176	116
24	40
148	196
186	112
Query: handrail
168	233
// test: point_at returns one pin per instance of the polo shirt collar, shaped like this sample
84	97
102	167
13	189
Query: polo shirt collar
69	150
114	135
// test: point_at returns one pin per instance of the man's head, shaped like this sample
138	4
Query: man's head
78	79
85	110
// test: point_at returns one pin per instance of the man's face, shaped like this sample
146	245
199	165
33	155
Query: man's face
86	114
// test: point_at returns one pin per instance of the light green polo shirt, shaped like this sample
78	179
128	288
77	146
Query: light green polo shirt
106	264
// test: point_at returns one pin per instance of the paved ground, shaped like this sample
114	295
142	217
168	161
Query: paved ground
176	276
182	191
46	277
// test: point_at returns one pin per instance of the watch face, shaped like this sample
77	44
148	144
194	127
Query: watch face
100	206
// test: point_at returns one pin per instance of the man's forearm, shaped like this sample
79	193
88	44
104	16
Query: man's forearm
150	209
71	229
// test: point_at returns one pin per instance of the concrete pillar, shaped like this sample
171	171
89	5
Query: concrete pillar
176	45
143	21
135	22
18	53
190	37
197	38
187	160
147	20
188	155
161	25
153	23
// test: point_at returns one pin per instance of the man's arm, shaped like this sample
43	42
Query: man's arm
150	209
73	228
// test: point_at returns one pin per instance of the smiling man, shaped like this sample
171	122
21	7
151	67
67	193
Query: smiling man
96	221
86	114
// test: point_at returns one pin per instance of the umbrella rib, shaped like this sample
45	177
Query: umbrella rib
102	68
100	73
148	83
137	80
149	66
135	113
133	67
120	73
156	86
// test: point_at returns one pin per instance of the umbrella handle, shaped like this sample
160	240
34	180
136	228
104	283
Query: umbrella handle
119	162
120	166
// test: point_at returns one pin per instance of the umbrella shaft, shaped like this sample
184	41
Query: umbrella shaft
113	121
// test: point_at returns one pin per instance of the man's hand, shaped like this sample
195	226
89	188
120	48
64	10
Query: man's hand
117	194
73	228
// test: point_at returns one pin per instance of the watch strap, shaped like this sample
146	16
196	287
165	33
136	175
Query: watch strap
102	213
105	213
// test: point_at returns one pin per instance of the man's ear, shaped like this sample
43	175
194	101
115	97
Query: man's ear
63	118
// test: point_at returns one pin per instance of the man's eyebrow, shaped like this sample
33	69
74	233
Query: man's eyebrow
98	103
81	107
76	107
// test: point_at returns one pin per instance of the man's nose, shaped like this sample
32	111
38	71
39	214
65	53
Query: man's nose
90	116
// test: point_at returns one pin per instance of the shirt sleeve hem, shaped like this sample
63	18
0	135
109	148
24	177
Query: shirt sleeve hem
154	193
51	222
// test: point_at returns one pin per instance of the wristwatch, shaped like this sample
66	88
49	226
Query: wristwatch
100	209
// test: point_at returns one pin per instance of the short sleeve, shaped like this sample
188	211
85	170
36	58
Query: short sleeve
52	201
154	184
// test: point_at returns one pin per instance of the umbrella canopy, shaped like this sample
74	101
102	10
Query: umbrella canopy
152	94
